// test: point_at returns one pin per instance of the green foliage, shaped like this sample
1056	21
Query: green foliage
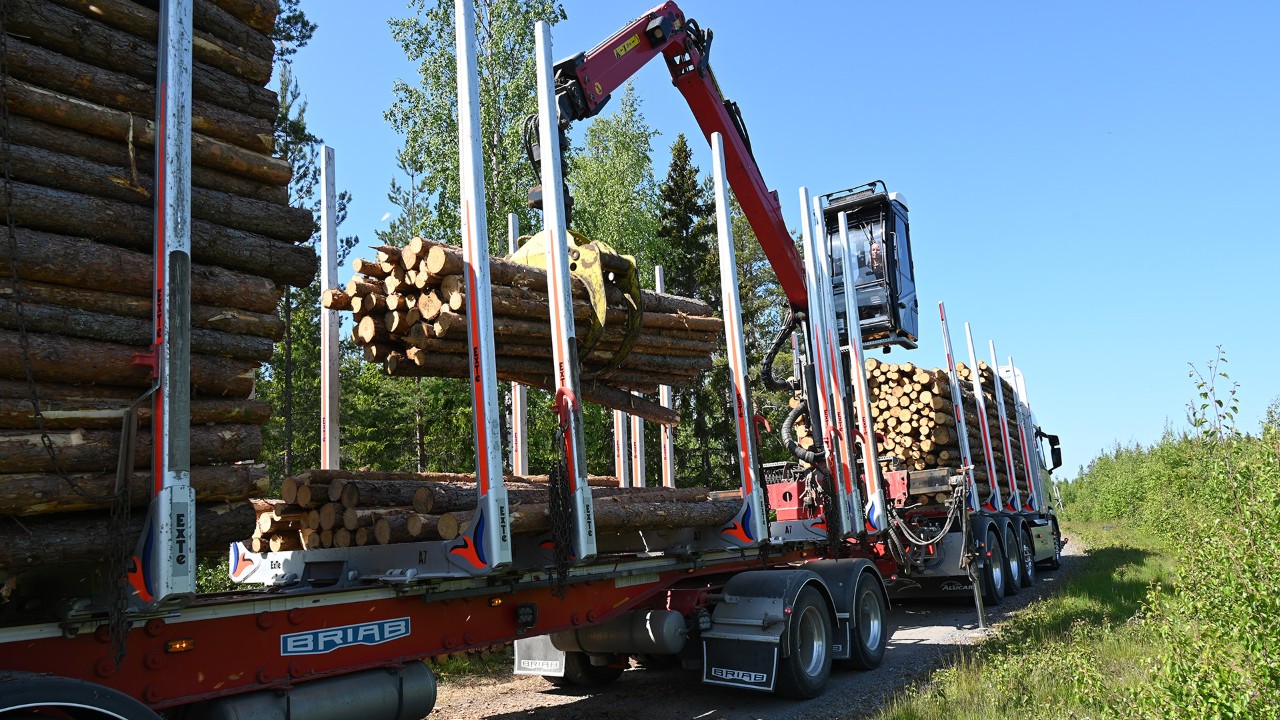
1196	639
426	113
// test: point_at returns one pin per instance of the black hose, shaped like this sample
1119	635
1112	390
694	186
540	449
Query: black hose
788	437
766	368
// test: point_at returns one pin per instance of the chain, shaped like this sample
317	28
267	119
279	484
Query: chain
560	505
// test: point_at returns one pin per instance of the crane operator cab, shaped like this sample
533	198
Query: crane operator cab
880	271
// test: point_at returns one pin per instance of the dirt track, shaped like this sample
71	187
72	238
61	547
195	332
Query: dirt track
927	634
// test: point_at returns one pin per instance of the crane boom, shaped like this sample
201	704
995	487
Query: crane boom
584	83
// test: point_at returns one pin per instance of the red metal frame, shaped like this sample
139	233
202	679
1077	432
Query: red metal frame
236	644
607	66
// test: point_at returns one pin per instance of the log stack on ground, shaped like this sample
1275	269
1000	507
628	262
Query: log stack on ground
411	314
337	508
76	274
913	417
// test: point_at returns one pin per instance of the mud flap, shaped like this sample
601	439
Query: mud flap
842	638
537	656
750	664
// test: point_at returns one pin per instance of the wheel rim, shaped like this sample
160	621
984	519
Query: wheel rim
812	650
996	563
1015	567
1028	561
870	620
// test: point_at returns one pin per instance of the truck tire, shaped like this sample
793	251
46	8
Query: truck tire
32	695
1028	559
1012	561
804	670
871	628
993	574
579	672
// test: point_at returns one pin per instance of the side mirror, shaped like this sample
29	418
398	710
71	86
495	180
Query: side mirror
1055	451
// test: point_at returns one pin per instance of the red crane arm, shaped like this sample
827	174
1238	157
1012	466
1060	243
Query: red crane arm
584	82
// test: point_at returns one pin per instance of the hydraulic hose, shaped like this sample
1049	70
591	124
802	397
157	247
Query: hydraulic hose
788	436
766	369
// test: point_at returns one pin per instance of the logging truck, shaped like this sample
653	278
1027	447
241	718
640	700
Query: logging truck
763	589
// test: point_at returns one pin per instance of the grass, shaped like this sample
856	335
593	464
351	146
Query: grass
471	666
1077	654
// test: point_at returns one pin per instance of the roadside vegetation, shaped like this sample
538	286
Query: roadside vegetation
1177	613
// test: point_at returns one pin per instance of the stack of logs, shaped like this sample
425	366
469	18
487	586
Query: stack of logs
344	508
410	312
81	101
911	410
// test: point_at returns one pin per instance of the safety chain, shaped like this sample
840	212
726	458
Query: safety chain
560	506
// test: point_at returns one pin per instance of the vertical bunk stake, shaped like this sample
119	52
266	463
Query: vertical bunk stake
564	341
984	430
622	448
668	454
817	352
519	394
1023	411
750	526
638	476
1013	503
164	571
874	510
486	543
329	382
966	458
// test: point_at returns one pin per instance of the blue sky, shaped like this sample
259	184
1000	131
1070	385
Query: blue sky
1092	184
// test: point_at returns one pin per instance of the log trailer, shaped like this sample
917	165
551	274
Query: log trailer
767	601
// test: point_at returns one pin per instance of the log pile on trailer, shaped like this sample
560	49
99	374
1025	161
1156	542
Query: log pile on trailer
344	508
410	313
77	273
915	423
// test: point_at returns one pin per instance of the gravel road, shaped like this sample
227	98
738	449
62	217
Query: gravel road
927	635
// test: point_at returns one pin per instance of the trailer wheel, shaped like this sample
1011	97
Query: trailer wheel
32	695
1028	559
1012	561
993	575
579	672
871	628
803	672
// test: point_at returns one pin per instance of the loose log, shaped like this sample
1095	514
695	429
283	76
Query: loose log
75	323
286	541
70	261
98	450
355	518
62	540
71	112
119	91
432	527
143	23
621	517
108	413
330	515
395	529
121	223
39	493
73	34
257	14
61	171
69	360
310	538
335	299
229	320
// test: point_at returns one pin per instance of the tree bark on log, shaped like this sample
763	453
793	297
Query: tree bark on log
70	261
72	34
67	360
108	413
437	498
620	517
59	73
75	323
432	527
120	223
143	23
98	450
208	317
75	538
71	112
257	14
42	493
60	171
29	131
